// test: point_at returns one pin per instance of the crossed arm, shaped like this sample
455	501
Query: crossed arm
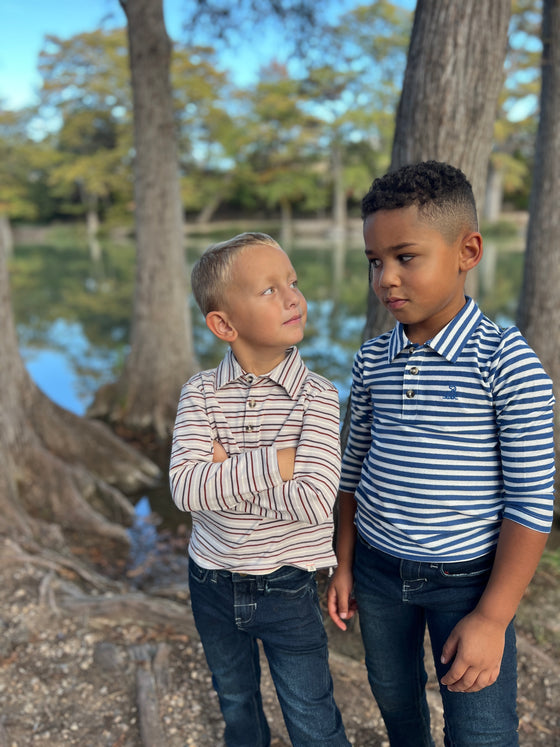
208	473
286	459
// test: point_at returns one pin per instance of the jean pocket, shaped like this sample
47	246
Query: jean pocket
198	574
290	582
476	568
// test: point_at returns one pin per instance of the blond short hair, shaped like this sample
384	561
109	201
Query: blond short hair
212	272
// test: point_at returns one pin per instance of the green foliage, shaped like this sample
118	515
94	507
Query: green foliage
516	123
502	229
19	158
268	143
551	559
86	83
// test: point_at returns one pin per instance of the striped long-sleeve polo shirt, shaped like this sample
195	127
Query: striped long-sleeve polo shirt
449	437
245	518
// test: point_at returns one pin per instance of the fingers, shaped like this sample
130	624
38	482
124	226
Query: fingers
341	607
219	453
449	649
474	649
471	679
466	676
336	610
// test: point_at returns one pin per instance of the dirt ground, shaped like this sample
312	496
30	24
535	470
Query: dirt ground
89	663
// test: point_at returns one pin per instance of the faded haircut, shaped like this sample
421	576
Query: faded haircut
441	192
212	272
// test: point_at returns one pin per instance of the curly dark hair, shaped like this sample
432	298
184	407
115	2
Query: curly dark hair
441	192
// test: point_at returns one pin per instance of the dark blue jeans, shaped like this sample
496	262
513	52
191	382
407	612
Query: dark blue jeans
396	600
232	611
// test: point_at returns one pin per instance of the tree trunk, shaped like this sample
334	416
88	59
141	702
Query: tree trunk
539	310
287	224
339	194
207	212
57	469
161	356
494	194
453	77
92	229
6	235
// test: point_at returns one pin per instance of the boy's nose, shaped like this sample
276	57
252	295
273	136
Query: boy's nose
388	277
291	297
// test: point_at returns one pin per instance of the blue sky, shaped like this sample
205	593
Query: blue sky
25	23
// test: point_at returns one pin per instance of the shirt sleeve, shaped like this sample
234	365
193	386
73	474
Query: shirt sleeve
524	403
250	481
359	435
199	484
310	495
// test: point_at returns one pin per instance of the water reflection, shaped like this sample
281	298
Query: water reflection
73	310
73	314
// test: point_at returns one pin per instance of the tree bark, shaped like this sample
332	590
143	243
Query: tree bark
161	355
57	469
539	311
6	235
448	104
494	194
286	224
339	194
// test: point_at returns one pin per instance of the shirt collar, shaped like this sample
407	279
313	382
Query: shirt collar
449	341
289	373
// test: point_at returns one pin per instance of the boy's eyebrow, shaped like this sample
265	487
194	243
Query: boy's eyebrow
394	248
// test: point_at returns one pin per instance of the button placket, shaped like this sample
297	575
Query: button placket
250	422
410	387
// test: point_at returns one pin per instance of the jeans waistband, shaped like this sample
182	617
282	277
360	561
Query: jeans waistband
258	577
483	559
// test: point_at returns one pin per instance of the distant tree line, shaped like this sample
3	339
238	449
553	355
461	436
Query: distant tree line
305	138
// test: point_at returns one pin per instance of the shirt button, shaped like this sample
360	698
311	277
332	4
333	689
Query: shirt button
248	428
252	403
250	379
410	393
414	370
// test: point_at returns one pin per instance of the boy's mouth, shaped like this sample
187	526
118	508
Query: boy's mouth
296	318
394	304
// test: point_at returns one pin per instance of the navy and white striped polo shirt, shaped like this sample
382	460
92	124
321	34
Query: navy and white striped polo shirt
447	438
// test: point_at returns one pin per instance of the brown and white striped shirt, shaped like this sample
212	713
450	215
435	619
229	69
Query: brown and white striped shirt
245	517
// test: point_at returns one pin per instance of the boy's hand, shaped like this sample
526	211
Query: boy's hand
340	603
219	454
477	645
286	461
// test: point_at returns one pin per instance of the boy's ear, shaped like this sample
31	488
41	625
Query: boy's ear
470	251
218	323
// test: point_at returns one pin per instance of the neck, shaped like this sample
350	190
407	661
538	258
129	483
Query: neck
260	363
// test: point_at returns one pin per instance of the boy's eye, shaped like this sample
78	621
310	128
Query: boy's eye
268	291
403	258
374	262
294	284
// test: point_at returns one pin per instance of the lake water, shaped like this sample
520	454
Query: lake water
72	314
